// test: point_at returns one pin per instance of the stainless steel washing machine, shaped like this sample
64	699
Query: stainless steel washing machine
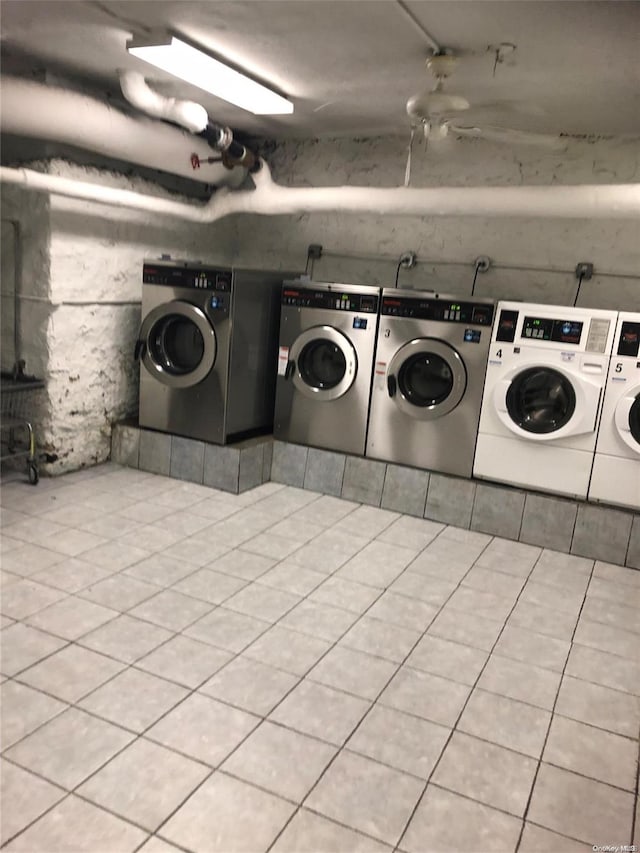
430	367
327	343
207	345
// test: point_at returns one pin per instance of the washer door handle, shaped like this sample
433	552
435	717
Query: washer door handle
138	351
391	385
291	366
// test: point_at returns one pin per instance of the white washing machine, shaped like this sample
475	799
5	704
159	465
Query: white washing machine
616	468
543	395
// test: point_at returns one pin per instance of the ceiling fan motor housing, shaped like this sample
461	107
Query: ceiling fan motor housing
442	64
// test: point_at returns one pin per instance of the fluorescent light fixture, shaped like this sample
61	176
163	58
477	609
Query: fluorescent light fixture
195	67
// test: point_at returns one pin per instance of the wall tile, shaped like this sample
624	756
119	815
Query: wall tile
548	522
633	554
125	445
450	500
221	467
187	459
363	480
155	452
267	460
602	533
405	490
289	463
251	464
324	472
497	510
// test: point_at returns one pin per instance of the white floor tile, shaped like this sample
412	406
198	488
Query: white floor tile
350	628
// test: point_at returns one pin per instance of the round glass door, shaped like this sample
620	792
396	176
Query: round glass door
634	419
627	419
325	363
322	364
180	344
426	378
176	345
541	400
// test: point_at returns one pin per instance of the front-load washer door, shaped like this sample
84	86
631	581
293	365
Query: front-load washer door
179	344
426	378
627	419
542	403
324	363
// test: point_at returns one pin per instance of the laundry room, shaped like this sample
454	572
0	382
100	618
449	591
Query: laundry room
331	417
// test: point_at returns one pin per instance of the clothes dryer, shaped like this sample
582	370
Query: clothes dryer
543	396
207	345
325	364
616	468
431	359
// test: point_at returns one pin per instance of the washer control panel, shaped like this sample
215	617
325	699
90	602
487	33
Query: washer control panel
197	277
441	310
361	303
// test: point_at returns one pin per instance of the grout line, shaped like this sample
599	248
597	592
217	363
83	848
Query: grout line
454	728
635	827
236	655
372	705
553	711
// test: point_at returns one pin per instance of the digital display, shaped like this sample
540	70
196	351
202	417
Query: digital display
359	322
547	329
507	323
629	343
472	336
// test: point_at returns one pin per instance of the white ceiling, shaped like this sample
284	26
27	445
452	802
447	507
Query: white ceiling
350	66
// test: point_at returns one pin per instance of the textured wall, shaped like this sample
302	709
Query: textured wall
81	277
447	246
87	268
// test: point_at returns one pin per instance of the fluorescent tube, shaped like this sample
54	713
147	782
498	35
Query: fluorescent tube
195	67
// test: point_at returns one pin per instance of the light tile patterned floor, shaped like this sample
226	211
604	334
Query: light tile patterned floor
183	669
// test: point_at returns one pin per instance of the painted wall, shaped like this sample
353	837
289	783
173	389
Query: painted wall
81	262
532	259
80	333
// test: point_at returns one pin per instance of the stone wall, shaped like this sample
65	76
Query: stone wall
81	262
533	259
86	266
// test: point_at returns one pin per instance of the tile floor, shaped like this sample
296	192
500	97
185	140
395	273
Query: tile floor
183	669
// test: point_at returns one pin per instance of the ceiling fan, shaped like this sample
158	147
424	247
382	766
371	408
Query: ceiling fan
440	114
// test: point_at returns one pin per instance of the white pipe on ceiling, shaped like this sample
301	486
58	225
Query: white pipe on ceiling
600	201
53	114
187	114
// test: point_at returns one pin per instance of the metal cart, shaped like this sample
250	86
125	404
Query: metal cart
18	391
16	430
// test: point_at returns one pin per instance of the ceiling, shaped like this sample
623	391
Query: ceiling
350	66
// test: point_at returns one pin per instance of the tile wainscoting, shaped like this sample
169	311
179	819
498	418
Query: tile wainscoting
571	526
232	468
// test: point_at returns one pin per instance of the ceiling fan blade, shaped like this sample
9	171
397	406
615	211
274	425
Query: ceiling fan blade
510	135
508	107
